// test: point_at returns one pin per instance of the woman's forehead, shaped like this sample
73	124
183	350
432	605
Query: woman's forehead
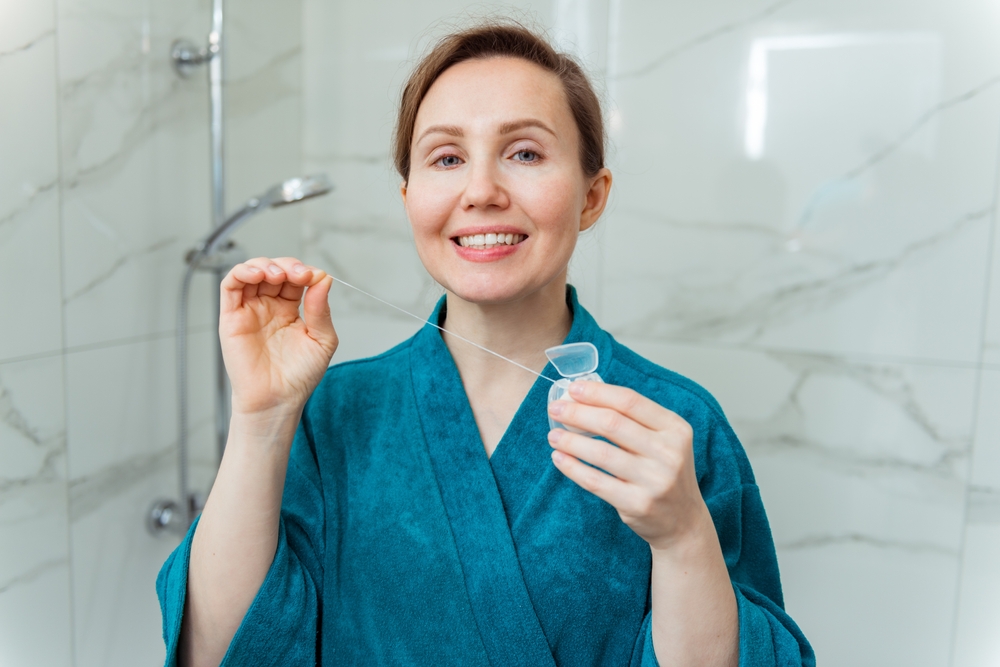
489	95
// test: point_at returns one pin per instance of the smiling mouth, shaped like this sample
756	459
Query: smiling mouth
486	241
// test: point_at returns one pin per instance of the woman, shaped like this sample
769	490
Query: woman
417	510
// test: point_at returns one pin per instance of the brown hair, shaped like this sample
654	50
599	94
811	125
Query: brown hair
498	39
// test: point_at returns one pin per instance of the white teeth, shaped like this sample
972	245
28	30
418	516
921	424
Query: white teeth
483	241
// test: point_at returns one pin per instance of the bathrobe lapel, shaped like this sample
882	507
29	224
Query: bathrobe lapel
522	464
503	612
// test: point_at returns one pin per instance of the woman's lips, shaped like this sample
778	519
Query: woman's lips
487	247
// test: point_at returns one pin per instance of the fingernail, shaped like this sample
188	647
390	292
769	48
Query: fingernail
558	456
254	269
556	408
555	435
299	269
274	269
576	388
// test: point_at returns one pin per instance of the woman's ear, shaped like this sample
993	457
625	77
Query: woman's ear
402	192
596	199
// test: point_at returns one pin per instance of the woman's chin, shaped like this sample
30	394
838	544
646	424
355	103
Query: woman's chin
488	291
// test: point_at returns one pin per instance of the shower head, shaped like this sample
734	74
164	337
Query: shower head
297	189
291	191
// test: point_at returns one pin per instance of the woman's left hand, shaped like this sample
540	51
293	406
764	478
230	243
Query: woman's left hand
652	480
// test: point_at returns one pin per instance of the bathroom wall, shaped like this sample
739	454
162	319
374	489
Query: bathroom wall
804	222
103	186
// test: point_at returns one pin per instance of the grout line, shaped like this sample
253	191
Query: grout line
114	342
983	329
71	592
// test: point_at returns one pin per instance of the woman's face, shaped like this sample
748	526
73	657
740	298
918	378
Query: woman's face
496	193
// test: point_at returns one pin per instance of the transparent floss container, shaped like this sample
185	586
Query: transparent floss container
574	361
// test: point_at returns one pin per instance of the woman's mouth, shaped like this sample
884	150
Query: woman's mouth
487	241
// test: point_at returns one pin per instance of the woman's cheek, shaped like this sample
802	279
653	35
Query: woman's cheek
428	208
553	204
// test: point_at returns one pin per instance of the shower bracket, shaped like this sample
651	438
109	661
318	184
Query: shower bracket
186	56
227	255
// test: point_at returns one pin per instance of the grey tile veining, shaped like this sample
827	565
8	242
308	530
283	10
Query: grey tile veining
88	493
711	34
34	550
122	412
869	203
33	444
29	200
862	468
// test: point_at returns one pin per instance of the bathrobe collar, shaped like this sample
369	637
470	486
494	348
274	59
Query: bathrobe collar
480	525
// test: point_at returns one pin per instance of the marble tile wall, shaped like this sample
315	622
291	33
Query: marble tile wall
104	184
804	221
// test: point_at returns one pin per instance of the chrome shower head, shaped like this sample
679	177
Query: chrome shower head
297	189
291	191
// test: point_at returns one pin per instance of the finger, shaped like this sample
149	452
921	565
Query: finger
291	292
316	313
235	284
273	273
613	425
630	403
604	486
299	276
296	272
268	289
613	460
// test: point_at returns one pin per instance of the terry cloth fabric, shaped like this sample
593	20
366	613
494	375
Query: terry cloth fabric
402	544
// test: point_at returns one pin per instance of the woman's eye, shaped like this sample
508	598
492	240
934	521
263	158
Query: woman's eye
449	161
526	156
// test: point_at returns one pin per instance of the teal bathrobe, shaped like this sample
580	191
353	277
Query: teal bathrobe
401	544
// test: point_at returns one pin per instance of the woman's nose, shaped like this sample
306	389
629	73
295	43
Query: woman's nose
484	189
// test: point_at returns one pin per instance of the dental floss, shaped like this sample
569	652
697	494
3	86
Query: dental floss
462	338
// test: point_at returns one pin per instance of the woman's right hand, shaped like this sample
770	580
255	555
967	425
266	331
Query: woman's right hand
274	357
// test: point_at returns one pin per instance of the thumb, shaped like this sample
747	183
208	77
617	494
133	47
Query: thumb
316	314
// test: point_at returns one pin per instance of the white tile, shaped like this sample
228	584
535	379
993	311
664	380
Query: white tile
986	448
29	201
25	25
991	339
115	562
35	617
258	32
868	605
134	184
34	550
122	405
862	470
977	642
860	232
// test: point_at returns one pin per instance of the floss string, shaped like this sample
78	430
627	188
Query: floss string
450	333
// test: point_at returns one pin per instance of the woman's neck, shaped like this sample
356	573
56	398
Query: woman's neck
520	331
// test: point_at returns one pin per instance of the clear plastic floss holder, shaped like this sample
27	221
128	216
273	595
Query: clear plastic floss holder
573	361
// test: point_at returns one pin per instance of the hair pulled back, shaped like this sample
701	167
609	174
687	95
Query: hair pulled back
502	39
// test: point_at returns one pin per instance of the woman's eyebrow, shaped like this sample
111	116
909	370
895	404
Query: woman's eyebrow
515	125
453	130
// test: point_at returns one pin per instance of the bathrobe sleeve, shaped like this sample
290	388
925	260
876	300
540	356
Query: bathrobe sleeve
768	636
280	627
